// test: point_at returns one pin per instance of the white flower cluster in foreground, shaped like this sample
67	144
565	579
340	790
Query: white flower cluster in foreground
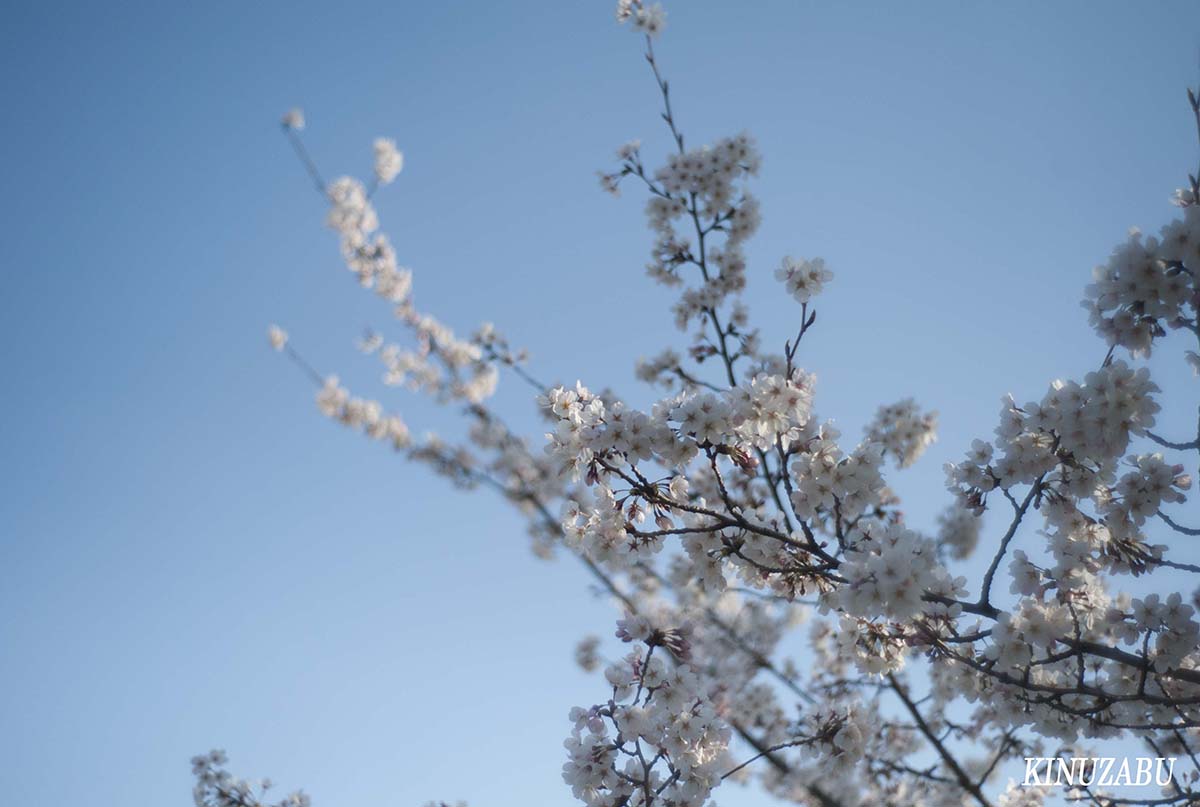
892	574
804	280
658	739
1147	286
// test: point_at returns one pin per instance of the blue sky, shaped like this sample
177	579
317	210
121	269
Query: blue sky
190	556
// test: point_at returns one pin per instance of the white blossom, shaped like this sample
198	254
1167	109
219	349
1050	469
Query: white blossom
293	119
803	279
388	160
277	337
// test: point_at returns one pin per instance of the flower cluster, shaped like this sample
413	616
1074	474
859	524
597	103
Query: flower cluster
709	173
650	18
277	337
696	195
1077	430
828	481
958	531
664	369
1017	795
769	411
368	254
1171	621
875	649
1036	626
1140	493
388	160
293	119
1147	285
658	740
585	653
893	574
804	280
335	402
839	736
217	787
441	363
903	430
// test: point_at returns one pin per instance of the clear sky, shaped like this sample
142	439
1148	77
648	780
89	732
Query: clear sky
190	556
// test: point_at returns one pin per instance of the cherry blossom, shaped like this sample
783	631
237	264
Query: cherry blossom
782	623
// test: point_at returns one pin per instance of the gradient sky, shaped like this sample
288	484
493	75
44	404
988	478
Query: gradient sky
190	556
